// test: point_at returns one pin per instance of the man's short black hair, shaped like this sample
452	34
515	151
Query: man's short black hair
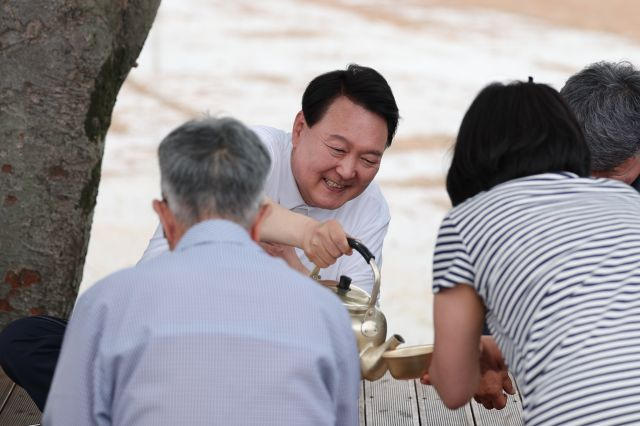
512	131
362	85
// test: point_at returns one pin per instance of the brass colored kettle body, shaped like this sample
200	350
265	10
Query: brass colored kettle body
367	321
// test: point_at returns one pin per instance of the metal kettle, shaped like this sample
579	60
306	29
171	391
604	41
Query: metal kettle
367	321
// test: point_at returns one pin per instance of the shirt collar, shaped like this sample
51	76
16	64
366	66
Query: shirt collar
289	194
213	231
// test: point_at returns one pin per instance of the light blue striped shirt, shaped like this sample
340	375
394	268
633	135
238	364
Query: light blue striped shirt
556	261
216	332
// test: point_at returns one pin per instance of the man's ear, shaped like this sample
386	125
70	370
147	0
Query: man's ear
627	171
254	230
298	125
168	222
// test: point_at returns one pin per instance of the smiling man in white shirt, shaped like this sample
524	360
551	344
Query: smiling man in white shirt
324	168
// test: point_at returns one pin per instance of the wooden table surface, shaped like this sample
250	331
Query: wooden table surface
390	402
16	407
385	402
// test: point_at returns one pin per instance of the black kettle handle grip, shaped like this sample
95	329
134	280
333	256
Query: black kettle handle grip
360	248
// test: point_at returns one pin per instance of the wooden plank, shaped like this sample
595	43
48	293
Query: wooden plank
390	402
518	393
361	409
19	410
511	415
6	386
434	412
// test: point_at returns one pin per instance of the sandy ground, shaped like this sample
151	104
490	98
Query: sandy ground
252	60
613	16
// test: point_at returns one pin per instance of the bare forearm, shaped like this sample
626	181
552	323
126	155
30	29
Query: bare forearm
456	384
282	226
322	242
458	315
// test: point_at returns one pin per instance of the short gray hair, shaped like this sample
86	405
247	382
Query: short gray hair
605	97
213	167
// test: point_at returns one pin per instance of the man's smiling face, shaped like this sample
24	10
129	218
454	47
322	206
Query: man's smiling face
335	160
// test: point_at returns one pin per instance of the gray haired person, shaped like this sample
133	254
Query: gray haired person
605	97
210	168
190	336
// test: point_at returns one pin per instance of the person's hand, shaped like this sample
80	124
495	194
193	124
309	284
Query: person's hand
425	379
494	376
287	253
325	242
494	380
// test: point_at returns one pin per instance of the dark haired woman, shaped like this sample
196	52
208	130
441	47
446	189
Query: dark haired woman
548	255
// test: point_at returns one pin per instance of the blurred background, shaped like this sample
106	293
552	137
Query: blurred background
252	60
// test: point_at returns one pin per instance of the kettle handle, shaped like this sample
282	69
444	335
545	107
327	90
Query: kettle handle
360	248
370	259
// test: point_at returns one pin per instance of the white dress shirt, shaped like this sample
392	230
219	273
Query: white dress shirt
366	217
216	332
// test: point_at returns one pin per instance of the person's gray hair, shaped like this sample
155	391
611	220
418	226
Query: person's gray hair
605	97
213	167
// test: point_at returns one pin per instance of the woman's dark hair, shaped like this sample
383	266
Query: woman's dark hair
362	85
512	131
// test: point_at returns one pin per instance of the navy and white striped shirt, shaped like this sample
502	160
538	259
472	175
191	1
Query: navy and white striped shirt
556	260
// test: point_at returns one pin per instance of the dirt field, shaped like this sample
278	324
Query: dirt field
252	60
613	16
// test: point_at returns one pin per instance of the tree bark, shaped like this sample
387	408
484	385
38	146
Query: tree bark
62	63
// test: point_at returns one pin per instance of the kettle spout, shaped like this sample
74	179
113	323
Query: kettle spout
372	365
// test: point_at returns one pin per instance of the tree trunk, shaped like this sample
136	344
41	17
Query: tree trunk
62	63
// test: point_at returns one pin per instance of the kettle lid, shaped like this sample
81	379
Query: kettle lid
352	297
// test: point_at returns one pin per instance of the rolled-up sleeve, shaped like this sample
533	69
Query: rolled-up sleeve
451	262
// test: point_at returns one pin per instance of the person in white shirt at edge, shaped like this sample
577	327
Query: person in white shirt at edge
324	169
215	331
